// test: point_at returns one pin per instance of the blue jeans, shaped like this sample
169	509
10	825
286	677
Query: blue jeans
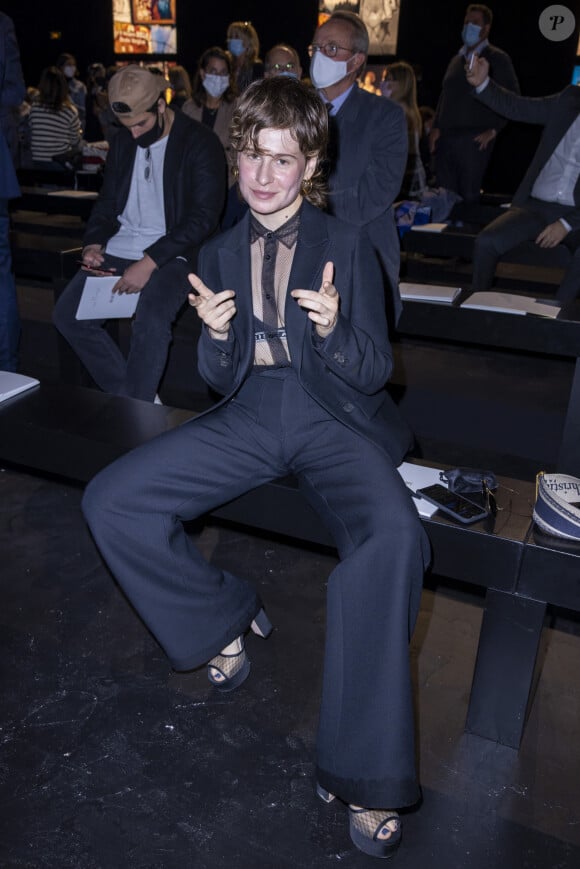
160	300
9	318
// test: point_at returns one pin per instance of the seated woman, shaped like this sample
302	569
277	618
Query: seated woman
54	123
295	338
436	203
180	86
400	85
213	94
244	45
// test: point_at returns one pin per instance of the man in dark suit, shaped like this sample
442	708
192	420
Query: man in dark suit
464	131
368	141
546	205
295	339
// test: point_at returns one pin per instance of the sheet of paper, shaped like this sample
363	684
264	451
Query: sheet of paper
12	383
510	303
415	477
74	194
428	293
99	302
429	227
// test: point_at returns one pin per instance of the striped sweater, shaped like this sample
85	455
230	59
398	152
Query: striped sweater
53	132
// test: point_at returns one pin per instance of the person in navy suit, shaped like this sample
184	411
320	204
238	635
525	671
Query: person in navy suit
12	93
546	206
295	338
368	142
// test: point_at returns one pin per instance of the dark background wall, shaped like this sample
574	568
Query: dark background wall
428	36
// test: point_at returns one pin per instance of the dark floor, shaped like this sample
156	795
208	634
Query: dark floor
109	759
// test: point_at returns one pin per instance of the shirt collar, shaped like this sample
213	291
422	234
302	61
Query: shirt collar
287	233
338	102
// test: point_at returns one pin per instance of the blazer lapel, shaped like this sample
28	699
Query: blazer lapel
236	274
306	274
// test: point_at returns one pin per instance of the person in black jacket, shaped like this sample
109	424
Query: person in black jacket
464	131
162	196
295	339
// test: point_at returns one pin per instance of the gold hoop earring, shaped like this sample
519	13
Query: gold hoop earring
306	186
236	172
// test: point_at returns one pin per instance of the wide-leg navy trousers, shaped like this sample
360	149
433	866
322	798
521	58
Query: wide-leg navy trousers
136	508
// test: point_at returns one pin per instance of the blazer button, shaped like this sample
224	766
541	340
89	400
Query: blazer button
348	407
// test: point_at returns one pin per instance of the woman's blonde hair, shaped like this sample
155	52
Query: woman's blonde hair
239	29
404	74
283	103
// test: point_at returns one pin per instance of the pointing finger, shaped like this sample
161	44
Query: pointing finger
327	278
199	286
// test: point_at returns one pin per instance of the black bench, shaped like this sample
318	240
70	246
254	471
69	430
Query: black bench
450	250
74	432
51	258
76	203
549	340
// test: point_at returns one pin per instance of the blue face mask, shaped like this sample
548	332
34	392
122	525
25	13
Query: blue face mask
236	46
470	34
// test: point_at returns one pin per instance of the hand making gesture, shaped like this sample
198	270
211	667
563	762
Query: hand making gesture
322	306
476	70
215	309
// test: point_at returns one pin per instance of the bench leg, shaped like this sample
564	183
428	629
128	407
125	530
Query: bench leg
569	458
504	669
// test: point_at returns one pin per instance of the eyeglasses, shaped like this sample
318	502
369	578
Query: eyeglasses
280	67
147	172
331	49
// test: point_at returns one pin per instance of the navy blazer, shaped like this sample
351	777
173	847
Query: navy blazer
194	187
345	373
367	173
555	113
12	92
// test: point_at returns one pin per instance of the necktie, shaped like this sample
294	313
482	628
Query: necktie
287	235
270	309
332	147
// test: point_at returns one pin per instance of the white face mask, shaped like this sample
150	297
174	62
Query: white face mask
216	85
69	71
325	72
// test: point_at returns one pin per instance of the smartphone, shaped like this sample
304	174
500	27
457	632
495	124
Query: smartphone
455	505
96	269
470	65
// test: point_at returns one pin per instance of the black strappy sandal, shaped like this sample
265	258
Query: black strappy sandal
366	825
227	671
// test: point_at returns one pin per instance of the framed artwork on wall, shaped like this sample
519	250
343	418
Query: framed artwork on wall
153	11
380	16
144	26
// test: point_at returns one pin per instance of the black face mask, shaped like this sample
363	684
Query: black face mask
145	140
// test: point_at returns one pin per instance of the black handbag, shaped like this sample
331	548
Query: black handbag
464	480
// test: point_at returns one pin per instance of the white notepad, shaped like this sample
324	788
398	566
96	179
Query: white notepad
429	227
99	302
509	303
416	477
74	194
428	293
12	383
